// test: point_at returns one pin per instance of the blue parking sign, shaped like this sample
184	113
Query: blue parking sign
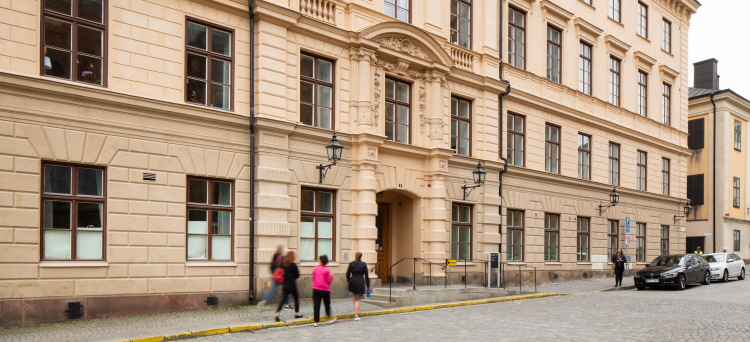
627	221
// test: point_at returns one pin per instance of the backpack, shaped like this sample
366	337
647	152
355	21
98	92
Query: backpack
278	274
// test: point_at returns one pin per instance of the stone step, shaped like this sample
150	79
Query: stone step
383	303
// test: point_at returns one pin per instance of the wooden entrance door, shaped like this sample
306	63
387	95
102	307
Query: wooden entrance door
382	222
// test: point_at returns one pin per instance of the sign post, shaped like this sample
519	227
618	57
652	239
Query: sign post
493	264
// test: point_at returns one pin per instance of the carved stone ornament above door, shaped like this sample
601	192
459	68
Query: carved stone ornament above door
404	45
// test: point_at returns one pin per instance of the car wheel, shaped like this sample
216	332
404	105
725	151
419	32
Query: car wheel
742	274
640	287
725	277
681	282
707	279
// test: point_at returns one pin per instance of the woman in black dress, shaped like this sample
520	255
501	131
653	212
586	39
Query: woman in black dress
357	277
291	273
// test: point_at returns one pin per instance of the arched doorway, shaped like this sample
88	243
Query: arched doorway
399	232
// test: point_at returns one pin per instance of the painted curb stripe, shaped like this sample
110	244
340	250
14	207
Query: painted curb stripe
224	330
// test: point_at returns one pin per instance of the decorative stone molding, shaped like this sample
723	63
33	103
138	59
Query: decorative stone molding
402	68
360	54
364	183
434	213
668	73
274	175
404	45
435	236
434	76
431	255
436	130
372	153
442	165
644	61
364	113
273	228
365	208
616	46
492	218
276	202
365	232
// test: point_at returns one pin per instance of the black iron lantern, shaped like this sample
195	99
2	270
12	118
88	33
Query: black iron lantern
479	174
614	198
334	150
687	208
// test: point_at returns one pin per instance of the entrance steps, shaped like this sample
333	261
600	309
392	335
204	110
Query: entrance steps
401	295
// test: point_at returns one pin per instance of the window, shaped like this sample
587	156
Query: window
552	148
640	242
665	176
209	66
614	164
74	38
582	248
736	192
551	237
515	235
461	126
316	92
73	207
612	238
642	20
666	107
554	47
397	110
461	232
664	240
317	223
666	36
210	214
695	134
614	10
641	171
398	9
461	23
614	81
516	38
642	92
516	139
736	241
695	189
584	69
584	156
587	2
737	135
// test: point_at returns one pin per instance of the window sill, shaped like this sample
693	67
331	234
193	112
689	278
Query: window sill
516	263
315	263
211	263
73	263
552	263
584	263
615	21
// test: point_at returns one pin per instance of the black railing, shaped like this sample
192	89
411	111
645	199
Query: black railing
442	265
505	267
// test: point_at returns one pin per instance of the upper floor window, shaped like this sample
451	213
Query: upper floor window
736	192
398	9
587	2
614	164
554	48
73	207
665	176
209	65
612	238
317	223
516	38
737	245
461	232
666	104
461	23
515	235
584	156
666	36
695	189
210	212
397	110
460	126
516	139
584	68
737	135
642	20
640	239
582	246
74	39
641	170
696	133
614	81
316	92
614	10
552	148
551	237
664	240
642	92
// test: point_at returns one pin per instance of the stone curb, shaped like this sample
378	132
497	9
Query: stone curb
238	328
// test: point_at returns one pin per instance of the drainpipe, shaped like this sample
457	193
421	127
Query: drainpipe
251	11
714	173
500	124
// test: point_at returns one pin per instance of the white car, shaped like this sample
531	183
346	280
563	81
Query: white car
725	266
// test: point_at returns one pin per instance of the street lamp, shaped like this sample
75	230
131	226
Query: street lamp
686	209
479	177
614	198
334	150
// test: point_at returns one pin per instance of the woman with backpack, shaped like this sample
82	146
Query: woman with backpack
357	277
291	273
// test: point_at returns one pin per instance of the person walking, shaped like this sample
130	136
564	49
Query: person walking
357	277
275	263
291	273
321	284
619	260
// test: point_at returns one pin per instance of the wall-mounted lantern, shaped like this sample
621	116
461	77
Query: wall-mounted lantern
686	210
334	150
614	198
479	177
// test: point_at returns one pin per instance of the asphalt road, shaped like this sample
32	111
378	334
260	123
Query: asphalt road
717	312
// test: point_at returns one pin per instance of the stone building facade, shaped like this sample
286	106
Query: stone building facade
126	176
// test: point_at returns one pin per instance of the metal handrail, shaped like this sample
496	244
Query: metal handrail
520	275
429	260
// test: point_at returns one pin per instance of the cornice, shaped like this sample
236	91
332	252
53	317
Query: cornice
644	59
667	72
617	45
551	8
583	25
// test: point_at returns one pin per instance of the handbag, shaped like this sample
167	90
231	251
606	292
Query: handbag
278	274
368	292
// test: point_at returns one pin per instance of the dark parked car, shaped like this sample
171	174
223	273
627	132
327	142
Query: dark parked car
677	270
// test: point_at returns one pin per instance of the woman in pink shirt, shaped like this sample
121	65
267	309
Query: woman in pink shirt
321	284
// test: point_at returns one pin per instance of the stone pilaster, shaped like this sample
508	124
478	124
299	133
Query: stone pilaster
364	84
364	188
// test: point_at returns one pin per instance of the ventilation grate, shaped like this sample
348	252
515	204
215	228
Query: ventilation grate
149	177
75	310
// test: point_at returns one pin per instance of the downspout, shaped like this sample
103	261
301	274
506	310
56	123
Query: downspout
714	173
500	126
251	11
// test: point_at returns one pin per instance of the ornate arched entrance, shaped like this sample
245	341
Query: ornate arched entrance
399	232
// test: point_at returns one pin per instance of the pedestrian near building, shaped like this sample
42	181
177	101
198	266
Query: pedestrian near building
291	273
359	281
321	284
698	250
619	260
275	263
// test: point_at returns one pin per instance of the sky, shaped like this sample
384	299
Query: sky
720	30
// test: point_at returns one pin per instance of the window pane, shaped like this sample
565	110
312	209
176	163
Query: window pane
307	200
221	71
306	114
221	42
196	66
324	117
90	182
463	129
307	227
57	63
89	216
221	247
402	15
465	234
454	213
326	202
196	36
88	245
390	89
220	96
307	249
57	33
325	70
463	107
388	9
89	41
90	69
466	214
454	234
62	6
56	244
403	92
221	223
403	134
306	92
324	96
90	10
325	247
57	179
197	222
196	91
463	147
222	193
197	246
57	214
325	227
198	191
465	251
403	115
307	66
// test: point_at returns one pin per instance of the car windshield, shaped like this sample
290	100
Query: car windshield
668	261
714	258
